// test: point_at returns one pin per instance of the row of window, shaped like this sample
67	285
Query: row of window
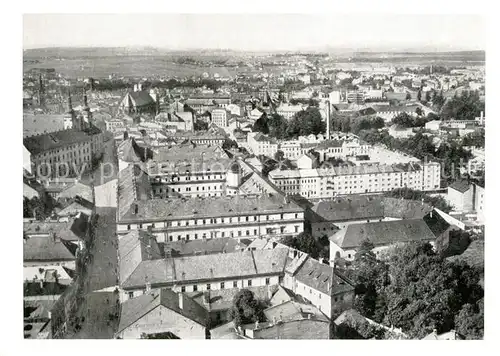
239	233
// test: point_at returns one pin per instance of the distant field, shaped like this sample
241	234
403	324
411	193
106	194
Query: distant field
127	66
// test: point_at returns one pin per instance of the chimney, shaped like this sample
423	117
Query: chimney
308	315
256	325
431	214
206	299
181	301
274	320
135	208
148	287
269	292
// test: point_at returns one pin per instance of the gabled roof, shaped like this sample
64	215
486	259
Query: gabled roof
134	309
323	278
383	233
78	205
78	189
204	246
47	248
351	208
460	185
140	98
53	140
202	268
206	207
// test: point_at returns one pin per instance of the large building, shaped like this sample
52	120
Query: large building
143	267
220	117
68	152
200	104
329	182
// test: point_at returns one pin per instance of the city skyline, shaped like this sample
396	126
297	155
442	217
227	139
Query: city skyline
243	32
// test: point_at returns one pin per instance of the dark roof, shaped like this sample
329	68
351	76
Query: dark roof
460	185
41	124
53	140
201	267
130	151
141	98
203	246
47	248
205	207
322	277
133	184
352	208
136	308
73	230
405	208
383	233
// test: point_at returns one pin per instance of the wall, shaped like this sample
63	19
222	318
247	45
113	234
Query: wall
298	330
162	319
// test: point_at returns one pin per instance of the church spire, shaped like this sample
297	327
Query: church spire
85	101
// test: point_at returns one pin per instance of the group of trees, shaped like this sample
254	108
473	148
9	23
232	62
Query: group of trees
245	309
417	290
304	123
466	106
306	243
475	139
39	208
310	102
413	194
356	124
407	121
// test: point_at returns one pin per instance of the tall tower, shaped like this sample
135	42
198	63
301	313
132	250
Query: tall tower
70	119
87	114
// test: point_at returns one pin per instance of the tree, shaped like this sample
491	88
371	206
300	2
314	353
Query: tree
228	144
403	120
303	242
427	96
245	309
261	125
277	126
306	122
470	321
419	95
408	96
419	111
279	155
467	106
413	194
200	125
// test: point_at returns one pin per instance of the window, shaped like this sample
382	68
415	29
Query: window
130	294
255	231
178	237
195	288
183	289
249	282
239	233
128	227
268	281
171	238
222	234
248	232
296	229
196	236
187	237
221	285
235	284
208	286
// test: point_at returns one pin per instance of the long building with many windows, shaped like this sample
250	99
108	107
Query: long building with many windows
324	183
184	218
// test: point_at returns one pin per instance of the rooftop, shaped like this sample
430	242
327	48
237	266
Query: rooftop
383	233
205	207
53	140
136	308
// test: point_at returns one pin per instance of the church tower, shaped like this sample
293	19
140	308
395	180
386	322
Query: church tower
86	113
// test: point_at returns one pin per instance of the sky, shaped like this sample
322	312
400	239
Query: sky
255	32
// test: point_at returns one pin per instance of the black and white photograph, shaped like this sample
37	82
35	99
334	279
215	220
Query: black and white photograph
253	176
